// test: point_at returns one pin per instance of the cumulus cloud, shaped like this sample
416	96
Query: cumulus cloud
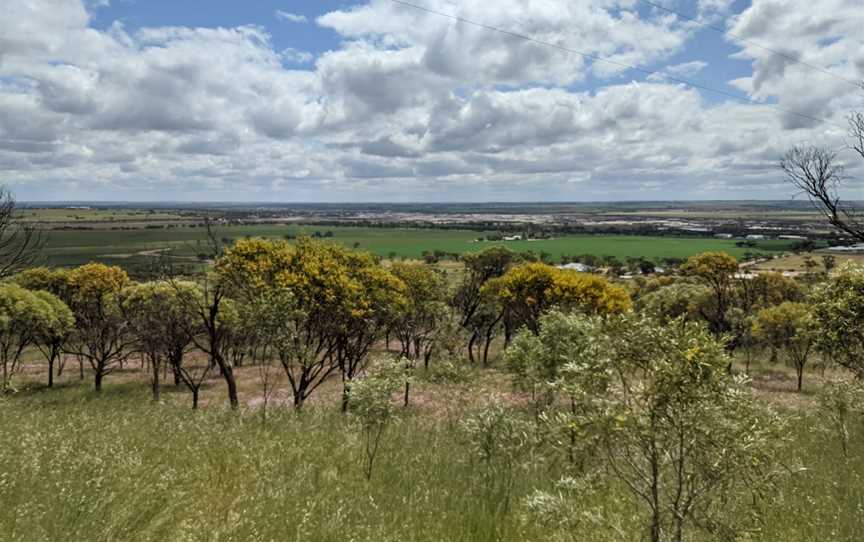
411	105
807	55
290	17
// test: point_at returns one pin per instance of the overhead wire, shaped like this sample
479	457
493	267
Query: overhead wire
597	58
741	39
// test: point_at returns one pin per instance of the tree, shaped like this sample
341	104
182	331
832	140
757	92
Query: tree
51	337
678	300
55	281
102	334
469	298
371	400
680	433
162	324
766	290
423	314
817	173
23	316
838	309
480	267
717	271
210	330
526	291
20	241
341	303
791	328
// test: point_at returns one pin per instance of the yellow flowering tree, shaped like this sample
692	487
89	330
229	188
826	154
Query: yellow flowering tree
526	291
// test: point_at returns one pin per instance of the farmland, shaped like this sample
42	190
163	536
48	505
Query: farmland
134	246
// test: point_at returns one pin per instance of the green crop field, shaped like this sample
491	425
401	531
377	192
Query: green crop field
131	247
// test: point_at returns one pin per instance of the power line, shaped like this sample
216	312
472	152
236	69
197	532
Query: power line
613	62
751	42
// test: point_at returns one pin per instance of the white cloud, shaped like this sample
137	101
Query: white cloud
290	17
409	106
297	56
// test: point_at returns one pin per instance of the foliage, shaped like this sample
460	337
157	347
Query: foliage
503	442
371	400
51	337
838	308
655	405
680	299
790	327
55	281
842	404
766	290
341	303
528	290
716	270
24	317
162	323
101	335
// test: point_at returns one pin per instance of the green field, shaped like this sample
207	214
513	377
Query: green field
133	247
71	216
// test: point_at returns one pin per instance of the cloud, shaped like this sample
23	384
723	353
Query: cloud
296	56
685	70
409	105
290	17
821	54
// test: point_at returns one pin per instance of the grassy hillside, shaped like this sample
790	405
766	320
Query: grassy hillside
75	467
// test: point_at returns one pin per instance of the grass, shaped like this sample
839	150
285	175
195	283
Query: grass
119	467
130	247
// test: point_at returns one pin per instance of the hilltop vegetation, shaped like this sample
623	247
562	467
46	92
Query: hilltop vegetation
299	389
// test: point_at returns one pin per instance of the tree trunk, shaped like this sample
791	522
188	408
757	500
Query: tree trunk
471	342
344	406
80	369
230	381
195	399
97	380
407	388
486	351
51	372
800	371
155	382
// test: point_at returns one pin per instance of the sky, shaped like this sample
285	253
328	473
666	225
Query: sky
422	100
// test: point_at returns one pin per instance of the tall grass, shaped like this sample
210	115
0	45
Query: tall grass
118	467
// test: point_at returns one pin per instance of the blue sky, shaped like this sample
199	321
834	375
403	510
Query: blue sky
706	44
373	101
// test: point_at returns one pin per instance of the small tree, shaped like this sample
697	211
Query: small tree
23	315
790	328
526	291
841	403
501	441
161	323
371	400
102	334
51	337
680	434
838	309
715	270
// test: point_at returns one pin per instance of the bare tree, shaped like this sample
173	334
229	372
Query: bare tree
816	172
20	241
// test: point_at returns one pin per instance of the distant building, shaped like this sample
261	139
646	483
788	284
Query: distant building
575	266
755	237
792	237
851	248
723	235
513	238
